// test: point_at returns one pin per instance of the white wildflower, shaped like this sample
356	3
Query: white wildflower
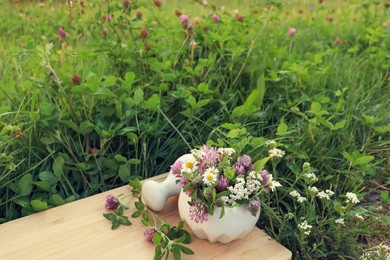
301	199
226	152
210	176
190	165
238	192
305	227
313	189
311	177
274	185
330	193
294	194
276	153
323	195
351	197
289	215
340	221
270	143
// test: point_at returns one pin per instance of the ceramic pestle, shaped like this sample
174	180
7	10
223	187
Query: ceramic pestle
155	194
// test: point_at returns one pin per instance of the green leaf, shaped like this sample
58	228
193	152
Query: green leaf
185	250
124	172
138	205
192	101
260	163
136	214
294	168
39	205
203	88
176	253
57	200
129	78
25	185
120	210
115	224
58	166
348	156
134	161
125	221
110	216
157	253
282	128
86	127
315	107
49	177
110	81
157	238
138	96
339	125
362	160
120	158
145	216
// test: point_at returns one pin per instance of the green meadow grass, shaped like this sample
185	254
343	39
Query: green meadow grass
323	94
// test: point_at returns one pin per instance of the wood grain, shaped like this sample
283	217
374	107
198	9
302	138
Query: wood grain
78	230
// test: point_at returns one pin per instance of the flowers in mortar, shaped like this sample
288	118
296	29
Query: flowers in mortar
218	177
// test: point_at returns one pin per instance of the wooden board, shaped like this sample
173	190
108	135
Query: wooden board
78	230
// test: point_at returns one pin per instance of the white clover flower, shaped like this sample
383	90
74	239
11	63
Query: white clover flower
301	199
311	176
313	189
351	197
305	227
276	153
294	194
323	195
340	221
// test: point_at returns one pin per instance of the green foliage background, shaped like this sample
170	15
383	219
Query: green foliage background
141	103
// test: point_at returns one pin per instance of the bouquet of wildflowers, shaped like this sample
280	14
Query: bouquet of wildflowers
218	177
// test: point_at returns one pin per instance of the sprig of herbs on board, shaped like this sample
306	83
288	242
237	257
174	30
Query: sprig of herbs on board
166	238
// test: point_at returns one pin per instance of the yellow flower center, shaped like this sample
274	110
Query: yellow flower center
189	165
210	177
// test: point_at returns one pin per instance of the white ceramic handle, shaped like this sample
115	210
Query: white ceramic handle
155	194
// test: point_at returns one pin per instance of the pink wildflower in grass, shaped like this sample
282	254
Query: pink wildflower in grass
216	18
198	212
62	33
149	233
223	183
292	31
192	44
184	20
139	14
112	202
254	207
176	168
126	3
42	4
